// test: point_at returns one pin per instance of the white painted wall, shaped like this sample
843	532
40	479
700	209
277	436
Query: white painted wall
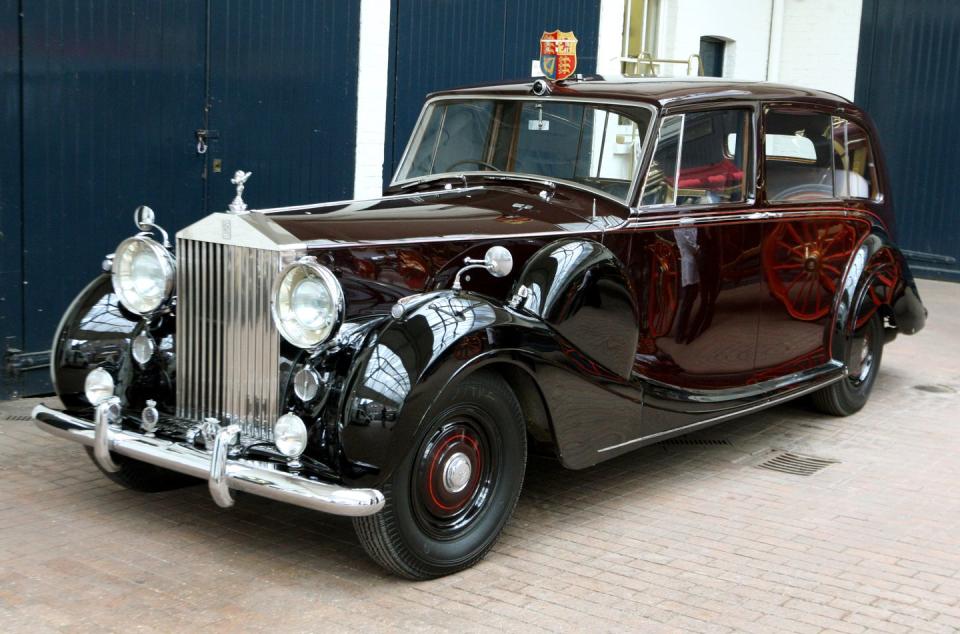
610	40
373	81
745	24
819	44
809	43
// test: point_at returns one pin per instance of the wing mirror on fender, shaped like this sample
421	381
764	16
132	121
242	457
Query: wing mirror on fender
498	261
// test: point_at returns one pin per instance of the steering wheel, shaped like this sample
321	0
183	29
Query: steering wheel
474	161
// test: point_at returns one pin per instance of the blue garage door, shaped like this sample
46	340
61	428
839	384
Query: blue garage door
908	79
440	44
113	95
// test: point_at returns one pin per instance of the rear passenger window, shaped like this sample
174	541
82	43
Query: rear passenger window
855	174
799	156
702	158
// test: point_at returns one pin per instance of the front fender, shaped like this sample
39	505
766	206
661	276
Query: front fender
406	365
96	331
582	290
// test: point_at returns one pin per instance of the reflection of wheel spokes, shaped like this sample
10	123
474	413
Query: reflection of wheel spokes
804	263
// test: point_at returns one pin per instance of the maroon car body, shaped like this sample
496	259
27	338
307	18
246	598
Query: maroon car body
737	250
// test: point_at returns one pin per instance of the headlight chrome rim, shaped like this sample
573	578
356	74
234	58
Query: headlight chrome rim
167	266
306	384
281	303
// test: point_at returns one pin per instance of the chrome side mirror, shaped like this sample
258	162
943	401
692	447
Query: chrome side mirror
498	261
146	221
144	218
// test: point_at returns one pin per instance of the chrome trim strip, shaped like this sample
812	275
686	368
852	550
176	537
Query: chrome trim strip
454	191
750	391
691	219
775	400
258	478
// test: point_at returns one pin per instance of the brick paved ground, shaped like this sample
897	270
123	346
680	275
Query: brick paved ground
668	538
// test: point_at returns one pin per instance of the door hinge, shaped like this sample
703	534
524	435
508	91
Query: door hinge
16	361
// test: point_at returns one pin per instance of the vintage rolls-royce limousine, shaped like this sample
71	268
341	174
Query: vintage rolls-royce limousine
584	266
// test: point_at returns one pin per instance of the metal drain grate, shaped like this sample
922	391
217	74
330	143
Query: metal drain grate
18	418
797	464
695	442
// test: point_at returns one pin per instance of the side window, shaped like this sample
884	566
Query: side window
855	174
658	188
714	163
798	148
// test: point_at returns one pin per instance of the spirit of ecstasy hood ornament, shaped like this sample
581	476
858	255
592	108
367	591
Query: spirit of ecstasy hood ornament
239	178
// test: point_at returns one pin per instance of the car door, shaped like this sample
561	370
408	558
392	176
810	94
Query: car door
695	261
811	239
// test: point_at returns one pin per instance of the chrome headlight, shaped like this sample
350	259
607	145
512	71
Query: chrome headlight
290	435
307	303
143	273
98	386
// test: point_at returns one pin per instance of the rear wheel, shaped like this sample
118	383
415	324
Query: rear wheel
864	351
141	476
449	499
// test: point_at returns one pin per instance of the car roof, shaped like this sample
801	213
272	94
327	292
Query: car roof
662	92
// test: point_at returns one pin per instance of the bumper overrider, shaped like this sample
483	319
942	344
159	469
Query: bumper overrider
221	472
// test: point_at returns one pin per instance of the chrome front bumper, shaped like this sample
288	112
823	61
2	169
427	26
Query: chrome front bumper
221	472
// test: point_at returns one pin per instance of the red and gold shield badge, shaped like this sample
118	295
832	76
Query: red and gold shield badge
558	54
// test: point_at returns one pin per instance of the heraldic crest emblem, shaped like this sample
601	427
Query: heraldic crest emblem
558	54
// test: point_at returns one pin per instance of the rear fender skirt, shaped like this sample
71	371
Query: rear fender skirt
877	279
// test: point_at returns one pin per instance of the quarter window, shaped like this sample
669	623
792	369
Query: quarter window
799	156
701	158
855	173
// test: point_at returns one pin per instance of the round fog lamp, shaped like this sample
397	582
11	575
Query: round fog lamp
98	386
290	435
143	347
306	384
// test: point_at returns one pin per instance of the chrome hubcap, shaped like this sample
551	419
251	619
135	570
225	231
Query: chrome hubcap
457	473
866	359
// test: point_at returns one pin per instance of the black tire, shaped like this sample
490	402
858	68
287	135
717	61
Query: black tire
863	354
144	477
429	527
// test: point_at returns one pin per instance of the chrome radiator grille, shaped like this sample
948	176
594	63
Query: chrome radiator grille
228	350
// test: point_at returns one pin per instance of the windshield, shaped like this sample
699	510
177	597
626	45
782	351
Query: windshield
597	146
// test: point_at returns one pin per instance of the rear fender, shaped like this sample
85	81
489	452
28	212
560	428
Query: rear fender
877	281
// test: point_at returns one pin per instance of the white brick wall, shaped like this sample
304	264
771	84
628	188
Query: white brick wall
744	23
812	43
819	44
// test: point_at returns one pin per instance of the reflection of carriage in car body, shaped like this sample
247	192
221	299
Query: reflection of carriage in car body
590	266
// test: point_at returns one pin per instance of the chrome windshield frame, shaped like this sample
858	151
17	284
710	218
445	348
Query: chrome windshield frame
627	201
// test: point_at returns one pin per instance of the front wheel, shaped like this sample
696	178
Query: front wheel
449	499
864	351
